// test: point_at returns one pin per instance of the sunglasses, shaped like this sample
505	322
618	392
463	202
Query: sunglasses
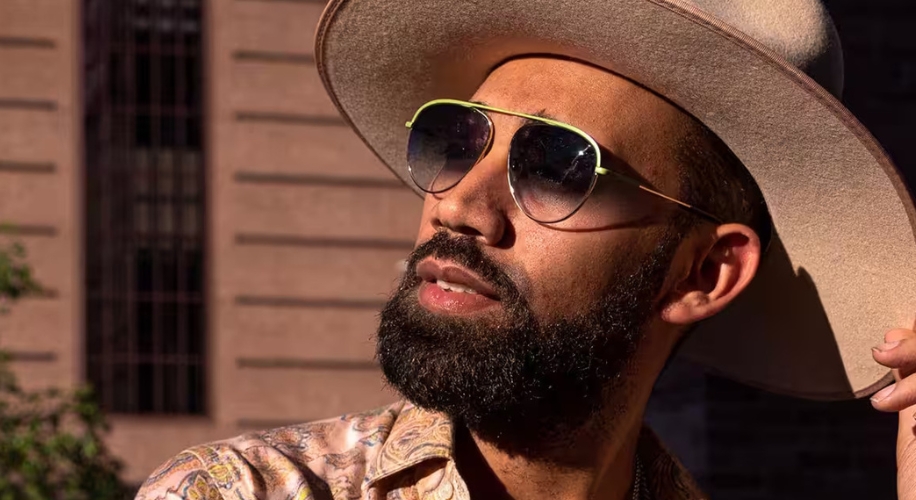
553	166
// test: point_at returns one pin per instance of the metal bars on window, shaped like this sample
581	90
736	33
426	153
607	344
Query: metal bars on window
145	205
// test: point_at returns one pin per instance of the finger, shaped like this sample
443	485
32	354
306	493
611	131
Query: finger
897	396
898	351
899	334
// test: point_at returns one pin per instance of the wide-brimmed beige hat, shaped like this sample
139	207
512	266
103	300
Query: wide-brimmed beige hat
763	75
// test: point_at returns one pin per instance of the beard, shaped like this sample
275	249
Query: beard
526	386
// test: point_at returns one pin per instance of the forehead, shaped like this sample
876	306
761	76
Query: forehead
635	124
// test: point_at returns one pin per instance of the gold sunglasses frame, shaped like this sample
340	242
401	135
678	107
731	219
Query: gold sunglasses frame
599	170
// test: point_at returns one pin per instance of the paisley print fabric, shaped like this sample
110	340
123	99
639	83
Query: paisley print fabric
399	452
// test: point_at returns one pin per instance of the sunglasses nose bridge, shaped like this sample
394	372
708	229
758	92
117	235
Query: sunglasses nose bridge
480	204
490	172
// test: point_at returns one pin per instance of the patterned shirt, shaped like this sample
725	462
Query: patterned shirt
399	452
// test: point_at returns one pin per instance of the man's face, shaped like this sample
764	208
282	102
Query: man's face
547	341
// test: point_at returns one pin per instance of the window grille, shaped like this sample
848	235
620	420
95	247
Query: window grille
145	204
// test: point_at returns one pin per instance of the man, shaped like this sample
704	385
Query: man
613	175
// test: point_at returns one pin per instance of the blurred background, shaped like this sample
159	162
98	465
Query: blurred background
214	242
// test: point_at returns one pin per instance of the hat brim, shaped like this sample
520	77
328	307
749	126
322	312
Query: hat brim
842	267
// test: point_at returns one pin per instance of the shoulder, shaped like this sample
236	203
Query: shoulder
329	456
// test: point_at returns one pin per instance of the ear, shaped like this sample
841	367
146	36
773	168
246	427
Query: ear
722	268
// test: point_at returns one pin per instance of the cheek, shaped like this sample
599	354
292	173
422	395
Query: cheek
568	272
616	204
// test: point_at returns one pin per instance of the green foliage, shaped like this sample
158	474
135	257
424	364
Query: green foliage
16	278
51	443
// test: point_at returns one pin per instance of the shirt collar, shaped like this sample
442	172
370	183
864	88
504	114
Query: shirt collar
417	435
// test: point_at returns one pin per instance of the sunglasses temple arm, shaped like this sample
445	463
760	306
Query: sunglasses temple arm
690	208
701	213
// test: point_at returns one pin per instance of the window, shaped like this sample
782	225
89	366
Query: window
144	205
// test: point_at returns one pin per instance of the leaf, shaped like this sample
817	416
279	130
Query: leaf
51	445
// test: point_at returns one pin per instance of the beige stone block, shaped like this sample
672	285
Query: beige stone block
275	26
280	87
292	395
308	333
304	272
303	150
144	443
29	135
39	325
33	199
29	73
329	212
41	375
35	18
40	330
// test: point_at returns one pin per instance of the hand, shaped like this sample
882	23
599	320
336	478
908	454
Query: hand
899	353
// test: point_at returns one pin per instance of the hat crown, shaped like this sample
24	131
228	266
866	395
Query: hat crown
801	31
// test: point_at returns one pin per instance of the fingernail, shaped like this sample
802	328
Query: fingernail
887	346
883	393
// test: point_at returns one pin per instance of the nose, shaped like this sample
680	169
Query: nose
480	204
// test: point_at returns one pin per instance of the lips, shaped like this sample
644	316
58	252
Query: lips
432	270
451	289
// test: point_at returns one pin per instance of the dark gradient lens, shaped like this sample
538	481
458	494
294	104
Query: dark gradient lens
446	140
551	171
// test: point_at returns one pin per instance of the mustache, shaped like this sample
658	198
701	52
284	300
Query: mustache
465	251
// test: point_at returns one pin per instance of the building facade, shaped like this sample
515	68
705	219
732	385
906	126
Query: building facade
216	242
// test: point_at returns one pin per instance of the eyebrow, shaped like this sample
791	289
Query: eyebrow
540	114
